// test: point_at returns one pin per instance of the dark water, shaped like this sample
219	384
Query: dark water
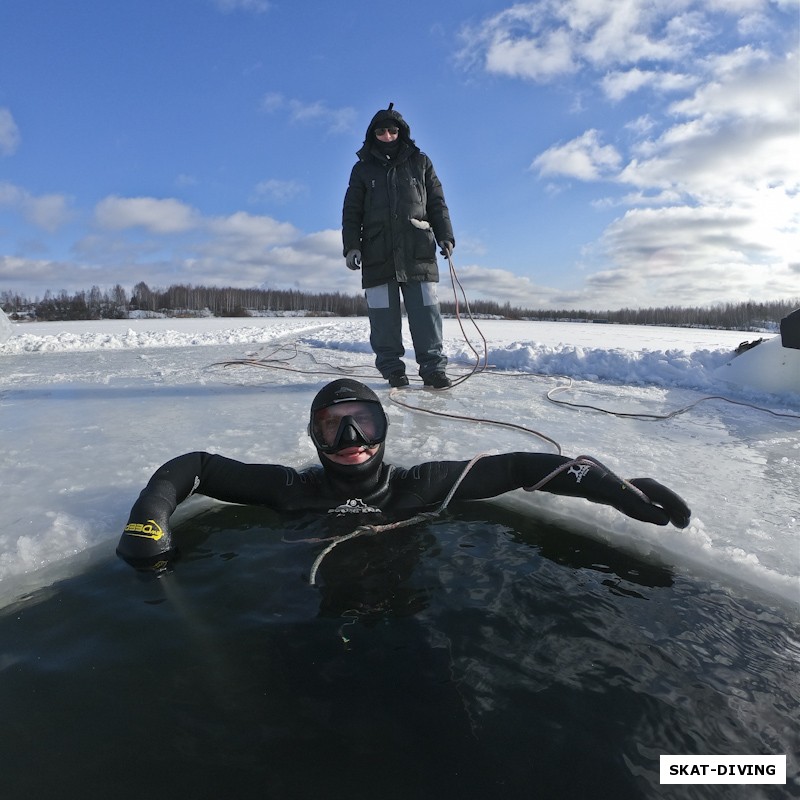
483	655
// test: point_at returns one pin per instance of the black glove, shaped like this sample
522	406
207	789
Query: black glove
670	504
353	259
446	248
664	505
146	544
640	498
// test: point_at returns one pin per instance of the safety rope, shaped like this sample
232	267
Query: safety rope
587	461
375	529
390	526
278	359
669	415
478	367
271	361
394	395
455	281
369	530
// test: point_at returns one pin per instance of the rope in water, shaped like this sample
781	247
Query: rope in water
368	530
371	529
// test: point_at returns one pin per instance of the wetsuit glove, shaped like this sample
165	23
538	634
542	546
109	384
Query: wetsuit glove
353	259
656	503
672	505
640	498
146	541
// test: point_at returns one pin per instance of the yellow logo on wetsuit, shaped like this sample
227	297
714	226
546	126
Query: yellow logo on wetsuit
149	530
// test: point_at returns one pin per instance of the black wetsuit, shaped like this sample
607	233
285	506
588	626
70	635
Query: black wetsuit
390	491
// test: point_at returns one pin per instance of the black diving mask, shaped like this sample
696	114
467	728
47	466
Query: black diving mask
349	424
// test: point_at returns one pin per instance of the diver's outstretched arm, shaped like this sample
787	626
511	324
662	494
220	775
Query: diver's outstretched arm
641	498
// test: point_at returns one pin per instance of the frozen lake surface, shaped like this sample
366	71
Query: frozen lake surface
89	409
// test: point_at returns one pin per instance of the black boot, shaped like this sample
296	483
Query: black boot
397	380
437	380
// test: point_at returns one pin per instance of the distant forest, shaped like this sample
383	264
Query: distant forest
182	300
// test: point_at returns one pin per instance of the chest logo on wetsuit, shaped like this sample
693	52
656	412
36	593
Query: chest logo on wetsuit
354	506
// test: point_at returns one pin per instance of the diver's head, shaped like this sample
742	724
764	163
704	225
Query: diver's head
348	427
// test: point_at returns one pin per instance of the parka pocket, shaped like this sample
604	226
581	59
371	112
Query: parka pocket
424	244
373	245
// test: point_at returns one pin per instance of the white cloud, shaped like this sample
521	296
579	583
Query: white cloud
183	179
618	85
516	42
327	243
183	246
10	195
228	6
715	173
688	253
628	31
240	250
337	120
9	133
734	61
601	291
279	191
33	277
13	268
254	251
252	230
746	89
273	101
735	135
500	285
48	211
537	59
641	125
583	158
161	216
541	41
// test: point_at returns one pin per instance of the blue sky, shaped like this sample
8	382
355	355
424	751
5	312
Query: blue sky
594	154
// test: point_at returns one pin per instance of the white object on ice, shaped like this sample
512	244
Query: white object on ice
5	327
768	367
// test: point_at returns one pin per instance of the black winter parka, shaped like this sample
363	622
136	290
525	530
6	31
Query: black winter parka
382	198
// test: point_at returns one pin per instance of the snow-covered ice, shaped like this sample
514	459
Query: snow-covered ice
88	410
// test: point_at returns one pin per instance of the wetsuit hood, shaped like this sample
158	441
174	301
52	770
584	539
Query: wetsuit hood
344	390
347	390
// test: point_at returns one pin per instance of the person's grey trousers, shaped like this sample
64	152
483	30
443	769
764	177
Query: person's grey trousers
424	321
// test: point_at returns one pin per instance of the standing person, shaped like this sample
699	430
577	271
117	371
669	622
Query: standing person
394	214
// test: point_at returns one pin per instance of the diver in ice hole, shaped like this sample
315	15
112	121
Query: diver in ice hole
348	427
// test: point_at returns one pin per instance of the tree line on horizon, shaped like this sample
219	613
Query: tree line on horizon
187	300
